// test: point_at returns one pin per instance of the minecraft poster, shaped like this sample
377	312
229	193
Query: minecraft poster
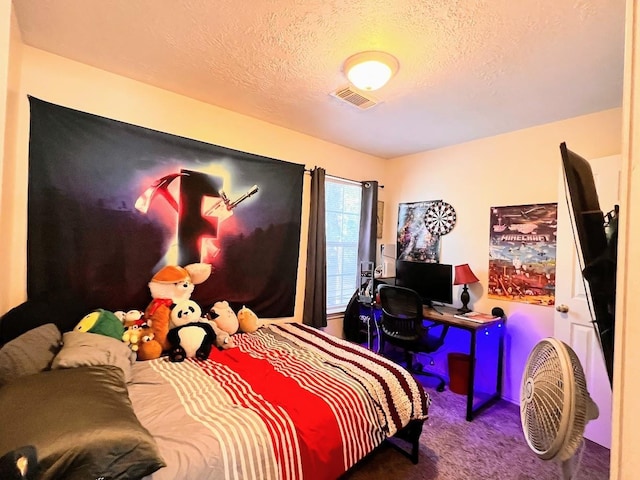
110	203
415	242
522	253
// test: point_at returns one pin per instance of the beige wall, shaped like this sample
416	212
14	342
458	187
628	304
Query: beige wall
5	39
81	87
9	114
517	168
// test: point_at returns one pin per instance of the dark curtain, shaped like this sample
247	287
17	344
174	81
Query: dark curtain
368	222
315	295
366	253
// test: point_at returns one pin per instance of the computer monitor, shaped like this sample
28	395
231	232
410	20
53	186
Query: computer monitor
596	245
432	281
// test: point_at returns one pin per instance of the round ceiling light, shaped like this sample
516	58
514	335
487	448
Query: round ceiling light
370	70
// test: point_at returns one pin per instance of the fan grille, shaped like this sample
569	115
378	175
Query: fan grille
554	405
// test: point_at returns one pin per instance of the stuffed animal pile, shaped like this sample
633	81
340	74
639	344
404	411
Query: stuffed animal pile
172	323
138	334
170	286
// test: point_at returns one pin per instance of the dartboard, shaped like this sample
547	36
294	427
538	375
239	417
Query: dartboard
440	218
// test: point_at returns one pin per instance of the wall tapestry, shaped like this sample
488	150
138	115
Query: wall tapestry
110	203
415	243
522	253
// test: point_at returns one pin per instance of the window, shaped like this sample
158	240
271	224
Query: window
342	210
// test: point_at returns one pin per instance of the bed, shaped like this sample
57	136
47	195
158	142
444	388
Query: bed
290	402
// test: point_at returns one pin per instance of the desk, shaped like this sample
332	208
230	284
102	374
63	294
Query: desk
447	318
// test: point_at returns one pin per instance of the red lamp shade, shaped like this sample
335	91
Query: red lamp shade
464	275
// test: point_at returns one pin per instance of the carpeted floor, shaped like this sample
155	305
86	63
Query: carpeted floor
492	446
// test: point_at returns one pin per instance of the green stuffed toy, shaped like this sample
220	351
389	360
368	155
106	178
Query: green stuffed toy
102	322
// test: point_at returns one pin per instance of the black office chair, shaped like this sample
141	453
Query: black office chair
402	325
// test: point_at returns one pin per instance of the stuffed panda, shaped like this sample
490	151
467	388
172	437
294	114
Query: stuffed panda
190	336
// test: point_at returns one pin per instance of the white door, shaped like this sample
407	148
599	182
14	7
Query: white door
574	327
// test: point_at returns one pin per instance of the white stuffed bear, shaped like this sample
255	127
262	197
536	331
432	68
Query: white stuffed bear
224	317
170	286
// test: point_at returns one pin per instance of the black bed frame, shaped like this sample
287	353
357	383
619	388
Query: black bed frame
411	433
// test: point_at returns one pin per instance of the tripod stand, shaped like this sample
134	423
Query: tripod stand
366	297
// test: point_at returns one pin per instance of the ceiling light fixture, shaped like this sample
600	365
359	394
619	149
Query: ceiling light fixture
370	70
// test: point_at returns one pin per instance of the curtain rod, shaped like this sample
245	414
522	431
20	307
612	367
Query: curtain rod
355	182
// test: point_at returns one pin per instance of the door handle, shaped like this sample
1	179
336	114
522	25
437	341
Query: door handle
562	308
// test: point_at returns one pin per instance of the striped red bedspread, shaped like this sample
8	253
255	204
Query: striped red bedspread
291	402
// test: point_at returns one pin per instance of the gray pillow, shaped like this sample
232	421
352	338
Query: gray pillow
83	348
31	352
81	423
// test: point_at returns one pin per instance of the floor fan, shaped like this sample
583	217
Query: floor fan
555	405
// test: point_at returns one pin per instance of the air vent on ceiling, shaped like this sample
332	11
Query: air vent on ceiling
355	98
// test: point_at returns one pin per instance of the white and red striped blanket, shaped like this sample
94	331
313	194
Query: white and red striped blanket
291	402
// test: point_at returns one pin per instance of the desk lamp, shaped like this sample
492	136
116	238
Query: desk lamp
464	276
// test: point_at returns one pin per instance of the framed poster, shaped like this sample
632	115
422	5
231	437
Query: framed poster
415	243
522	253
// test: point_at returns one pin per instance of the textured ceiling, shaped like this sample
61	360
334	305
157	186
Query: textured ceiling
468	68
